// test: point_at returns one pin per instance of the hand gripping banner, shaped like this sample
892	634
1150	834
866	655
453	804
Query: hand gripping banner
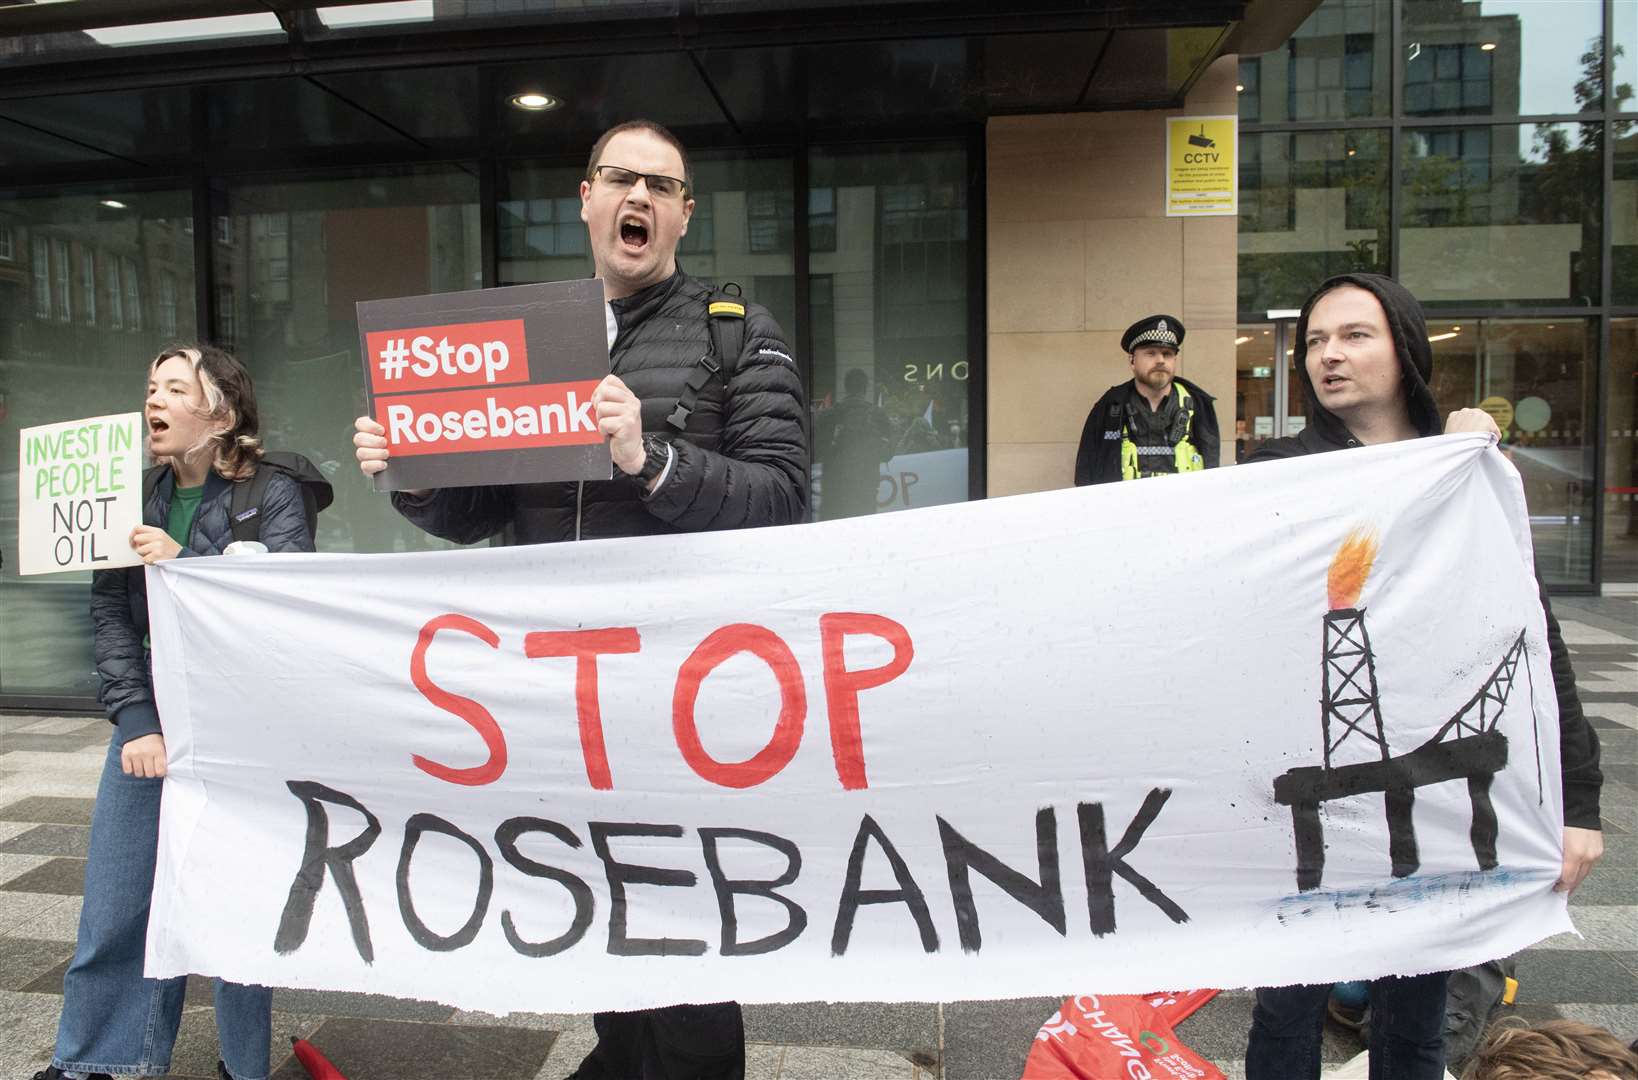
1252	726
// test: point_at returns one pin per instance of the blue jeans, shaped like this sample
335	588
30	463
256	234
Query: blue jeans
1407	1030
114	1020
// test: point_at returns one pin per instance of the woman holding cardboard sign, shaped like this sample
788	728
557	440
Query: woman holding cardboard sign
202	425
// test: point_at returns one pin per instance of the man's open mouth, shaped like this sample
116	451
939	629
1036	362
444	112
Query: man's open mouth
634	234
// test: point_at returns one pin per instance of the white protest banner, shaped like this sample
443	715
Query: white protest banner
1292	722
79	494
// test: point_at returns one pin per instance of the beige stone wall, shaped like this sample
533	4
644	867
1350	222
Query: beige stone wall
1079	248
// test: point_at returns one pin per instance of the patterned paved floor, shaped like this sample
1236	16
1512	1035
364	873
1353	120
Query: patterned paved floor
48	773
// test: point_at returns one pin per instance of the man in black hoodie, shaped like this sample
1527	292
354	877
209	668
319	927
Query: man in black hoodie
1365	376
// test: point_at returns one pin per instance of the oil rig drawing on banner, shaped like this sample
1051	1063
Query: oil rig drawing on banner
1467	746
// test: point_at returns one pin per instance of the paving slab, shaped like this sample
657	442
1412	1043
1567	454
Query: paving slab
70	840
1613	927
28	1032
414	1050
62	876
1556	976
20	912
49	809
909	1028
22	960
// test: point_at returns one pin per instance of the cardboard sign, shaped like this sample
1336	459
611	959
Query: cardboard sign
785	765
1201	176
487	387
79	494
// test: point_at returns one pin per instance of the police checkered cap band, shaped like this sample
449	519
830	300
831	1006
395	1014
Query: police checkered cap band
1161	335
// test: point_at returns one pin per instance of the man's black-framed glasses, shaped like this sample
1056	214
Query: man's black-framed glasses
666	187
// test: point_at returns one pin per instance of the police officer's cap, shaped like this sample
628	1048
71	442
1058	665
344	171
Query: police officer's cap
1154	330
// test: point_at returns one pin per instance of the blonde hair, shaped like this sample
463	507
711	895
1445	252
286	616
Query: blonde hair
230	402
1550	1050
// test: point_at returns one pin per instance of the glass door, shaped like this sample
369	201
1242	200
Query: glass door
1268	400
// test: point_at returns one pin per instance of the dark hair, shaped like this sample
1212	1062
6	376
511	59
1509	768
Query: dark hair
230	400
658	131
855	381
1551	1050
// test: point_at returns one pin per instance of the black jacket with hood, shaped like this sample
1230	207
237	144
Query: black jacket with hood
119	597
741	462
1098	459
1578	742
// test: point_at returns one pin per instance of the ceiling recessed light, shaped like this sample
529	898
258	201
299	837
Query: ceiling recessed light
1489	46
535	101
113	204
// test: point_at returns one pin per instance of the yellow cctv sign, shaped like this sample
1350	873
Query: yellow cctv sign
1201	180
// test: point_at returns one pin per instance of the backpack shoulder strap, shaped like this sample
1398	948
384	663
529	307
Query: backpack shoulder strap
245	508
725	316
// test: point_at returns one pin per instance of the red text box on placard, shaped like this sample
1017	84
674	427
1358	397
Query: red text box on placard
441	357
509	418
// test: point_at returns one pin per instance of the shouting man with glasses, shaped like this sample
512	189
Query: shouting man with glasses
699	441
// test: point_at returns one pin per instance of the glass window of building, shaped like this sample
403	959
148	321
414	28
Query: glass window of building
227	317
61	302
1503	57
111	292
40	274
1509	214
1337	66
133	294
167	304
821	219
891	371
88	286
1534	377
1621	454
306	250
54	368
1624	215
1624	55
8	253
1312	204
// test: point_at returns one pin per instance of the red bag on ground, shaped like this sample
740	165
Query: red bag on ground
1119	1037
317	1065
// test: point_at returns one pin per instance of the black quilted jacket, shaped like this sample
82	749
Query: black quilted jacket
119	598
741	463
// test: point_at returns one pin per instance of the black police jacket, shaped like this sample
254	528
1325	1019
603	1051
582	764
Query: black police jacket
1098	459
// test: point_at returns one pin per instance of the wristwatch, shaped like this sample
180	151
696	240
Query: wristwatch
657	454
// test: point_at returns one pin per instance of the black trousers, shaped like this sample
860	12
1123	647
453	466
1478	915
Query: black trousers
678	1042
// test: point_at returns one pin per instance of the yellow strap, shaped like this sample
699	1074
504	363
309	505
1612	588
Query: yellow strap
726	307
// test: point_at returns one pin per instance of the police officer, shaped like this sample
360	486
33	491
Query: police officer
1153	424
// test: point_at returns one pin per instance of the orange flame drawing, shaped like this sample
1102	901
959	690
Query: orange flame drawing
1350	568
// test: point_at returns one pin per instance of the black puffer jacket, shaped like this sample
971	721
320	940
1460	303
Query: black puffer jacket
119	598
741	463
1578	742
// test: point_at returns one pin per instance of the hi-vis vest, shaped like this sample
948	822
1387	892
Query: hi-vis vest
1184	455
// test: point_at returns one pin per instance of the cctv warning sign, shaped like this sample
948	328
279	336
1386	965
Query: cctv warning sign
1201	177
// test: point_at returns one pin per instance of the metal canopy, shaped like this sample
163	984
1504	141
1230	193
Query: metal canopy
310	85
